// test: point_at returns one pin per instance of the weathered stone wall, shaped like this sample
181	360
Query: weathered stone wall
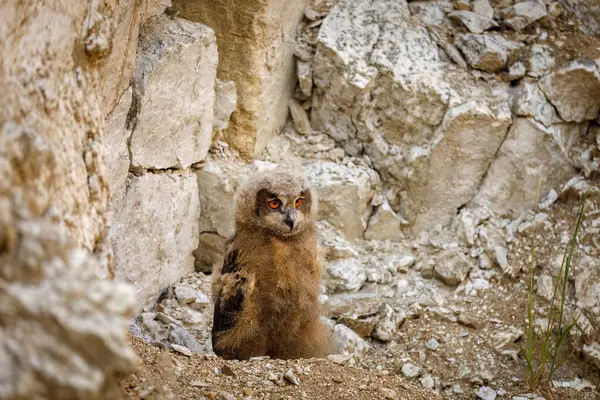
62	329
256	46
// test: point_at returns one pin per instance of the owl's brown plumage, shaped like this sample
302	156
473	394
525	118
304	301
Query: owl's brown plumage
266	294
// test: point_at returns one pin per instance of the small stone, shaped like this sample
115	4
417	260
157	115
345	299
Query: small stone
540	61
487	52
410	370
516	71
523	14
428	382
188	296
300	118
388	393
486	393
181	349
452	267
432	344
312	15
291	377
474	22
555	10
387	326
225	396
457	389
272	377
304	72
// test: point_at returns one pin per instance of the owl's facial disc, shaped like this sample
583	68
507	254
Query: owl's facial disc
282	214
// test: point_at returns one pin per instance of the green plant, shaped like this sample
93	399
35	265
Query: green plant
542	349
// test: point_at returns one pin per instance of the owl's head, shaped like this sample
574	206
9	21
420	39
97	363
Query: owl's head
278	202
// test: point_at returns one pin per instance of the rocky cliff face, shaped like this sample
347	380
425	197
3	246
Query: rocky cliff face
429	130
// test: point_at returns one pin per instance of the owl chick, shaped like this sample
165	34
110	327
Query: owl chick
266	294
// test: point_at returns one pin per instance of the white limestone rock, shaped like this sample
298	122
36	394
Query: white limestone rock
348	343
524	13
173	115
384	225
475	23
225	104
156	232
344	195
487	52
452	267
574	90
531	102
587	288
531	154
540	61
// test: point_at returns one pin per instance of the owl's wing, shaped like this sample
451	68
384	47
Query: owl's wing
230	297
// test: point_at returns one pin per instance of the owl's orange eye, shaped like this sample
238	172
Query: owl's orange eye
299	202
274	204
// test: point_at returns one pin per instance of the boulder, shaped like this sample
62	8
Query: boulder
344	195
531	102
531	154
574	90
449	177
156	231
168	49
490	53
256	50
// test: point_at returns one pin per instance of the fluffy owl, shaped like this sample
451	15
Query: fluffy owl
266	293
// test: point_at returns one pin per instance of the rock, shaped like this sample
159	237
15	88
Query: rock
118	66
487	52
574	90
191	297
432	344
486	393
427	382
352	305
588	11
516	71
540	61
592	352
503	339
156	231
463	5
545	287
530	154
181	349
484	8
384	225
451	175
531	102
431	12
474	22
300	118
181	337
260	61
344	195
387	326
494	244
116	137
168	49
225	104
345	275
576	384
452	267
410	370
388	393
291	377
304	73
555	10
524	13
346	342
587	289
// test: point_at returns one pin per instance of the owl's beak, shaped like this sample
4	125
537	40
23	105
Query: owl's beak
289	218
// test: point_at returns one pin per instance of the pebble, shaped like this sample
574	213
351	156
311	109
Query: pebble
388	393
410	370
432	344
181	349
486	393
428	382
291	377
